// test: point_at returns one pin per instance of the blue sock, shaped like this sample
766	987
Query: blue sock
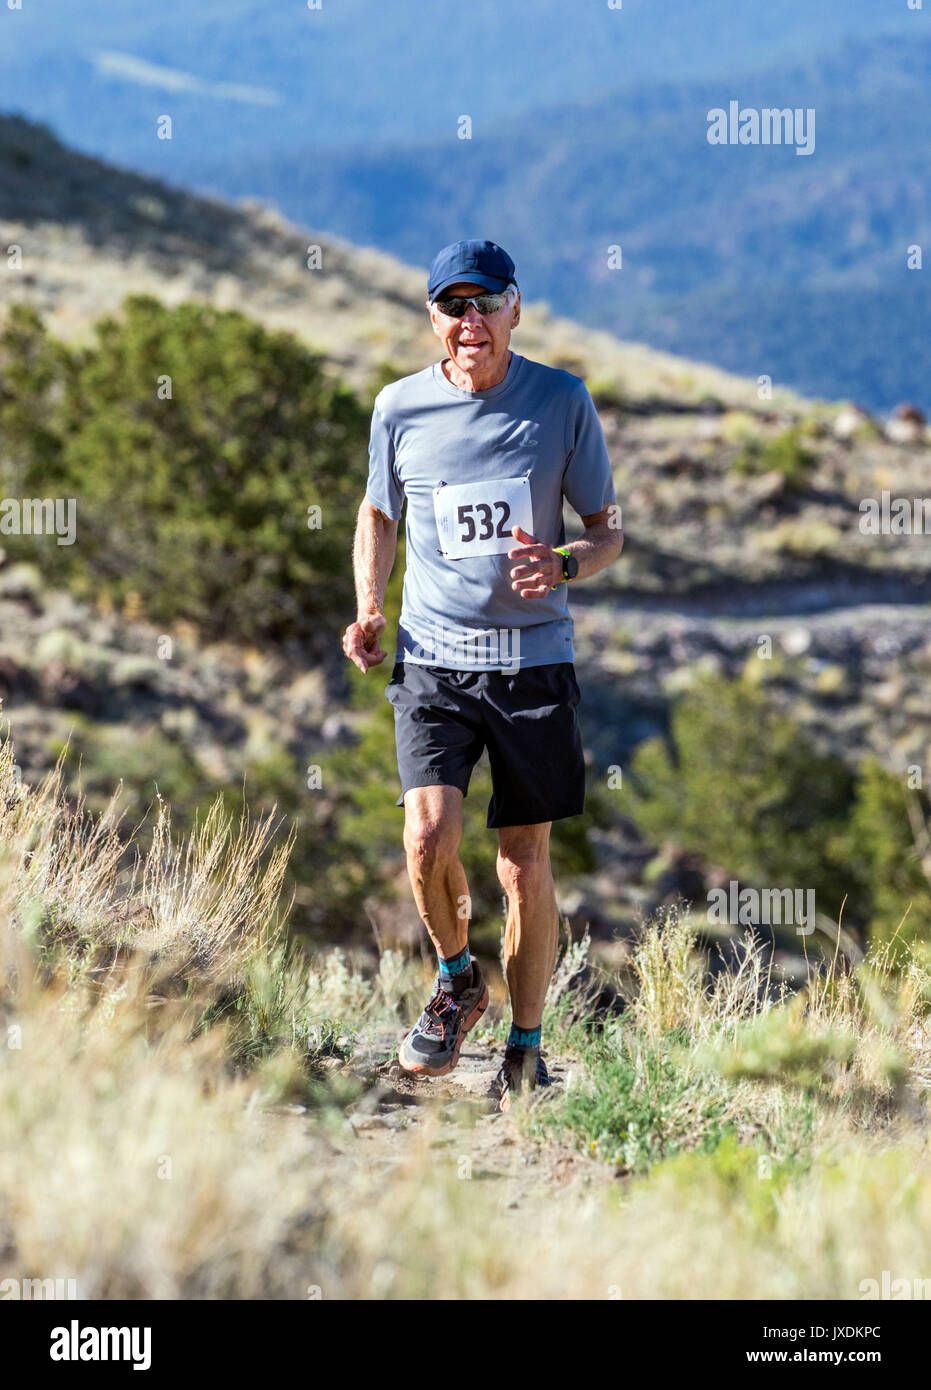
524	1037
452	966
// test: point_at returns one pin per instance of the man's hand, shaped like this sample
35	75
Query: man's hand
542	567
360	641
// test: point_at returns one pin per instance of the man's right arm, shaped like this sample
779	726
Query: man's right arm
373	554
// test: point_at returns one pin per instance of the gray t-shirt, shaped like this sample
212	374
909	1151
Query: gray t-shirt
471	464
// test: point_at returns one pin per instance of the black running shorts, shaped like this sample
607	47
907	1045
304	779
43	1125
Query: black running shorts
527	719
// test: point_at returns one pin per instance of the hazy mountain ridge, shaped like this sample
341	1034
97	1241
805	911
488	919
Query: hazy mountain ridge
752	257
586	135
338	69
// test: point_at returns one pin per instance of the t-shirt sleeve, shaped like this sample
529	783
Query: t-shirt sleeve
587	481
384	489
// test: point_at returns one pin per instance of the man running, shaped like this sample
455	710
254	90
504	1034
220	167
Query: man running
484	445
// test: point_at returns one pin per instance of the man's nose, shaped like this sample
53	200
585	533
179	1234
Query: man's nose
471	316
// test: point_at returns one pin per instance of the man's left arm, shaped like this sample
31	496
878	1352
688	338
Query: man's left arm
602	543
587	479
539	566
588	487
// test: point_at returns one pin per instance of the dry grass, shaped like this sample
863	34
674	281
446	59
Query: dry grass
869	1018
143	1154
210	903
671	990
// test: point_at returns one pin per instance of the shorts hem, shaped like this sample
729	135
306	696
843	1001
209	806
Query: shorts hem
430	782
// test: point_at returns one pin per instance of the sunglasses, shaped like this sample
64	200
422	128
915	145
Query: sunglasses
485	304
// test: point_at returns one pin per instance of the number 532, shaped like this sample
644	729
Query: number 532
485	516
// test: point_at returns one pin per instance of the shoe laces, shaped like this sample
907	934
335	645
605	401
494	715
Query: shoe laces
440	1011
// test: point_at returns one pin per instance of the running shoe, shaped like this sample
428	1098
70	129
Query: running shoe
523	1069
432	1046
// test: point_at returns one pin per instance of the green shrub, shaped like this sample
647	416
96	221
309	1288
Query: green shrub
637	1104
782	1045
741	785
197	505
607	393
785	454
882	837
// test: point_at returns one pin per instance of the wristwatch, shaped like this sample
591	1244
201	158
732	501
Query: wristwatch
570	565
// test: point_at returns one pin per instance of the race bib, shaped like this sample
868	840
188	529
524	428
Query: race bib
476	518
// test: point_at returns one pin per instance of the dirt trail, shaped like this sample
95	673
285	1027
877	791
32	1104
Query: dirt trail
455	1116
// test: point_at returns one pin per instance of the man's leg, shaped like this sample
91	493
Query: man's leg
531	936
432	832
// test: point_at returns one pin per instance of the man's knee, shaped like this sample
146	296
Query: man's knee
522	864
430	843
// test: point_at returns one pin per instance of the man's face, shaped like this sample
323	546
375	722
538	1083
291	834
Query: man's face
475	343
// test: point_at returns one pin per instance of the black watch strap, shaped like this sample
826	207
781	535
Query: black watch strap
570	565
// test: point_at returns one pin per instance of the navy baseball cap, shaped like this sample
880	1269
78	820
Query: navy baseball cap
478	262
